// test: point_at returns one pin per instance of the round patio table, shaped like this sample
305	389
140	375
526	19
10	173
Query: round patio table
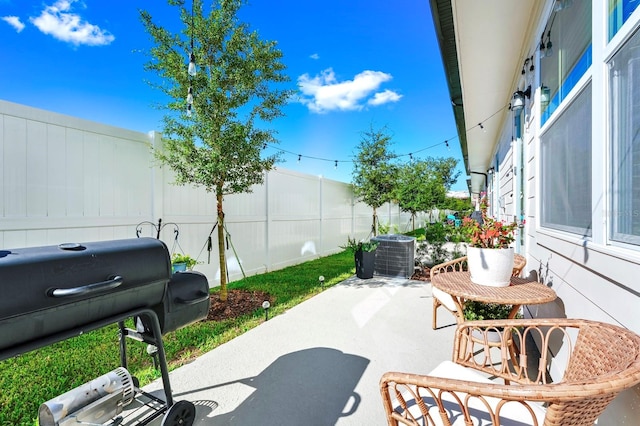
522	291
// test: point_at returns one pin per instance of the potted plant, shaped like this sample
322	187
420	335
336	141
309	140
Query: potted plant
478	311
364	256
489	257
182	262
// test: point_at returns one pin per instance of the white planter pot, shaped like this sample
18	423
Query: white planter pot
492	267
493	336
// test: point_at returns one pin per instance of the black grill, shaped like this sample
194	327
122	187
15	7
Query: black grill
53	293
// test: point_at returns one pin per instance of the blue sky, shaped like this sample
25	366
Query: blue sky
356	63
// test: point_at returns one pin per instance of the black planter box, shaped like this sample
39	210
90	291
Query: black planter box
365	263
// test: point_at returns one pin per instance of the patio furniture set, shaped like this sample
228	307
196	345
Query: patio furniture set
499	370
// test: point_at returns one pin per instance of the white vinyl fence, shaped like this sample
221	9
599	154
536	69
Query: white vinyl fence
64	179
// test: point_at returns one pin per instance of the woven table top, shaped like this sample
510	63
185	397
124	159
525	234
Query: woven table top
521	292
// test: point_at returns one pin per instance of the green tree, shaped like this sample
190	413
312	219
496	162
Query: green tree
423	184
457	204
445	169
212	137
419	188
374	174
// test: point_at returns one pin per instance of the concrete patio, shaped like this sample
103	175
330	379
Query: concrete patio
320	362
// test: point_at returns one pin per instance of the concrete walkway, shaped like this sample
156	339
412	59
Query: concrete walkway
320	362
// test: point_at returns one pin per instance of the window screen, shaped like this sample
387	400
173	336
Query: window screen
566	169
624	89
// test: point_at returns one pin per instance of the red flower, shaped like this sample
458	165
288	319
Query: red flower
491	233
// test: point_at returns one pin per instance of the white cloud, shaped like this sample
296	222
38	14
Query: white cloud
324	92
14	21
56	20
384	97
314	56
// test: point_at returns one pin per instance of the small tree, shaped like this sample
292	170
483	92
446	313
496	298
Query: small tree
419	188
218	146
423	184
374	174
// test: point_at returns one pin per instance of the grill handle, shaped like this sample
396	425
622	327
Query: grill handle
111	283
202	296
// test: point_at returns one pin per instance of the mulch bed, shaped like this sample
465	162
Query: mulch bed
423	274
239	302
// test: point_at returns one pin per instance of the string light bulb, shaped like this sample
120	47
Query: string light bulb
299	157
192	57
336	165
189	108
482	127
549	48
192	65
190	96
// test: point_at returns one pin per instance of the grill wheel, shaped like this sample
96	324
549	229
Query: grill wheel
182	413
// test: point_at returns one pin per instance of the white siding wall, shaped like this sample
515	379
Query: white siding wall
63	179
592	278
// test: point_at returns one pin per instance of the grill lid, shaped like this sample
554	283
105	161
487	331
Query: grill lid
54	289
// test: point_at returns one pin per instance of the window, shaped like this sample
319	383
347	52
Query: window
568	34
566	169
619	12
624	89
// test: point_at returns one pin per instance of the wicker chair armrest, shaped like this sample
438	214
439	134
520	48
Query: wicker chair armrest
459	264
473	348
414	399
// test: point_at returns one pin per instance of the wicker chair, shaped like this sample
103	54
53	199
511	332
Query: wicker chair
440	298
601	361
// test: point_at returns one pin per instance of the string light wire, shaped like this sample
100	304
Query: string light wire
411	154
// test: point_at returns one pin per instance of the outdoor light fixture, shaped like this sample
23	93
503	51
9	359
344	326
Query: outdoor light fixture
545	96
189	110
336	165
152	351
491	170
299	157
266	305
517	104
321	279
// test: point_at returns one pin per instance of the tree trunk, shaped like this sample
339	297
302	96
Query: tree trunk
374	227
221	251
413	221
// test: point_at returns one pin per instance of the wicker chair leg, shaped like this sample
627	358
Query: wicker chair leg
436	305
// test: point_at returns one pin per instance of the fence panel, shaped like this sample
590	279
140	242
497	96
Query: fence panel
69	180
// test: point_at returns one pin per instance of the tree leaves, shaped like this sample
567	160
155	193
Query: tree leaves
220	145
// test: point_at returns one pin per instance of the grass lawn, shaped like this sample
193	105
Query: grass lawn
28	380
